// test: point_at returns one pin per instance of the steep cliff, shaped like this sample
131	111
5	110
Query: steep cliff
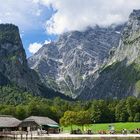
120	77
13	64
65	65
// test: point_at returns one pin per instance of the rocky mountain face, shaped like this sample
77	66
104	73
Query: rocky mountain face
96	63
14	69
120	77
70	64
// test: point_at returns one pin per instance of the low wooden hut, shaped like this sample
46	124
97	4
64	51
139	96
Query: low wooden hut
38	122
8	123
28	125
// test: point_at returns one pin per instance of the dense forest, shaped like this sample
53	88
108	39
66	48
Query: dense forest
22	104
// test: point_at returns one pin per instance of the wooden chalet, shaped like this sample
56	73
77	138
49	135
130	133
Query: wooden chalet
39	123
8	123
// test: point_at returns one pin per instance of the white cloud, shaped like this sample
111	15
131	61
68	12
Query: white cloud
24	13
47	41
78	14
70	14
34	47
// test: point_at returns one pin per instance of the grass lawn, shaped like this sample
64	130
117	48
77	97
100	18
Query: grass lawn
97	127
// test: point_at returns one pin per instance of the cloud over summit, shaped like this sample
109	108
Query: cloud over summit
34	47
68	15
78	14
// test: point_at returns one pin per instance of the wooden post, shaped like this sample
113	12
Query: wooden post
26	136
21	136
31	135
14	136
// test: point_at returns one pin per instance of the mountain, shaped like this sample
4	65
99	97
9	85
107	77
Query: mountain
120	77
68	64
96	63
14	70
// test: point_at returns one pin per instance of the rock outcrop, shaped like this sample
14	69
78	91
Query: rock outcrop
120	77
97	63
67	64
13	64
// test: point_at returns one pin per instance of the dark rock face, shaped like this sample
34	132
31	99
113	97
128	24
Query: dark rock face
121	75
112	83
67	64
13	64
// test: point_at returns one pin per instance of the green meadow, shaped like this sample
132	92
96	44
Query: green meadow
97	127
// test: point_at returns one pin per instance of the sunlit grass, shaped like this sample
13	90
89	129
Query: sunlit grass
97	127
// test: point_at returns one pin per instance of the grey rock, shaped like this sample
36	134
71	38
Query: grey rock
13	64
120	77
67	64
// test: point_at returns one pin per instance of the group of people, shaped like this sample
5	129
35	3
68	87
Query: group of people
136	131
124	131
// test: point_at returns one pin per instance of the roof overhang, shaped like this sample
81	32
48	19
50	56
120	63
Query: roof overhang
53	125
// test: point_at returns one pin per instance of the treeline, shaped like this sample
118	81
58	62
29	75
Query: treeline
100	111
22	104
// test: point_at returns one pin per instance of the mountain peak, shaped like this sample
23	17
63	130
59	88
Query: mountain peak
9	33
13	64
8	26
66	64
135	15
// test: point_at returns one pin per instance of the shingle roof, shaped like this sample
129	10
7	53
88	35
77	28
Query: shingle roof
8	121
42	120
28	123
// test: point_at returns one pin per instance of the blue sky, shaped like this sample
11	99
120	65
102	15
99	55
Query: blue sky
33	36
39	33
38	36
42	21
30	16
